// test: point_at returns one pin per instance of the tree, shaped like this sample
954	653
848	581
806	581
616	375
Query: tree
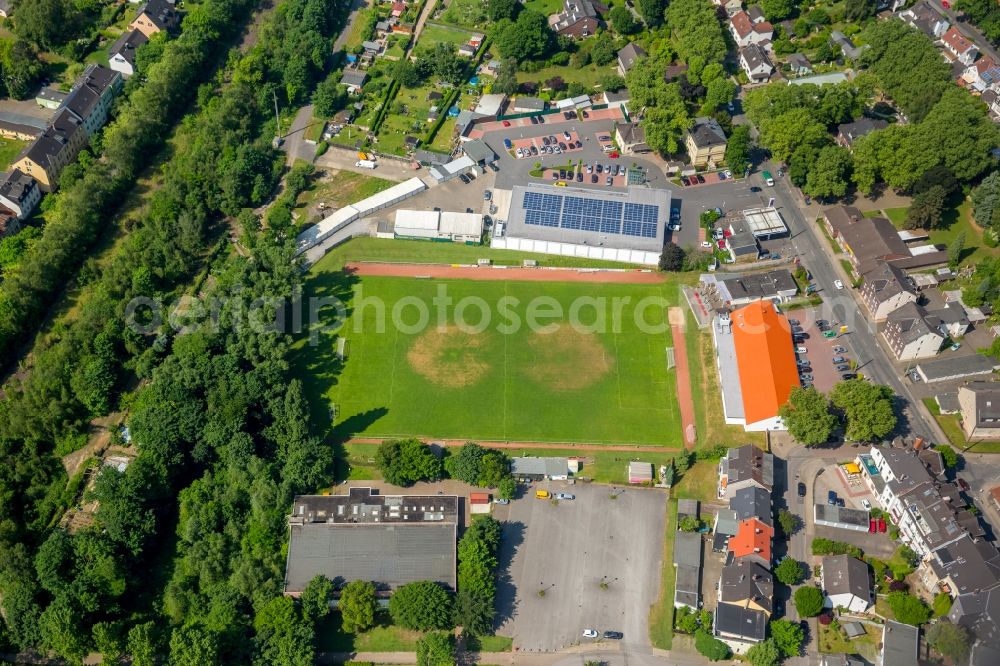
867	408
406	73
808	417
556	84
507	488
955	249
738	149
986	201
192	645
808	601
603	53
718	93
765	653
502	9
858	10
281	637
330	97
506	81
47	23
788	521
788	636
925	209
421	605
789	571
909	609
405	461
951	640
652	11
357	606
776	10
525	38
436	649
142	644
948	455
622	20
709	647
689	524
20	67
60	625
830	174
672	257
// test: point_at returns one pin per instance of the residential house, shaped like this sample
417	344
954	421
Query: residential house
628	56
726	524
45	158
121	55
616	99
756	14
753	541
354	80
899	644
733	7
747	584
736	290
631	138
848	48
799	65
476	40
886	288
979	406
959	46
952	320
491	68
739	628
92	95
525	104
397	9
992	100
846	583
19	193
913	333
752	502
848	133
155	16
578	19
983	74
979	612
705	142
756	64
925	18
745	467
746	32
383	28
467	50
673	71
965	567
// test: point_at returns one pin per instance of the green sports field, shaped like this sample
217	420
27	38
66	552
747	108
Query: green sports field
441	381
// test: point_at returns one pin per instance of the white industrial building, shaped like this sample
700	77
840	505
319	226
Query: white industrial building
437	225
765	222
339	219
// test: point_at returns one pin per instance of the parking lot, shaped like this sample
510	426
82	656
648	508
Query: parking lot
852	492
823	373
558	554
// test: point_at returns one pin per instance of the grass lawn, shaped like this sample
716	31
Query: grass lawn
661	614
499	381
445	137
699	482
896	215
415	251
831	641
357	34
956	219
384	637
9	150
546	7
953	430
489	644
436	32
586	76
469	14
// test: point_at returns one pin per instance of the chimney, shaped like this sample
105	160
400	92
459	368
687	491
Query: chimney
918	443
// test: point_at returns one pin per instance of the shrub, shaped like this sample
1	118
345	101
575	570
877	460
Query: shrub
808	601
710	647
421	605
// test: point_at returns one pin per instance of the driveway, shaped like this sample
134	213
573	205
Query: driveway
558	554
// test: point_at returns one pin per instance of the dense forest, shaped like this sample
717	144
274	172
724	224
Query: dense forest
217	422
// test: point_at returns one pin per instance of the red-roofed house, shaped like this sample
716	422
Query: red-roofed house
753	540
959	46
983	74
746	32
397	9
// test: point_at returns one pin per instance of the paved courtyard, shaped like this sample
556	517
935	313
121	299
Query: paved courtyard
557	554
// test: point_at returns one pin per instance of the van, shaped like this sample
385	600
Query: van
365	164
768	178
542	494
801	350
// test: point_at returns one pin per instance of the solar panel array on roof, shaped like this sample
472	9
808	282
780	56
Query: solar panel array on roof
595	215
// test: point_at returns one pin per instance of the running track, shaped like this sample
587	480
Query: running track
494	273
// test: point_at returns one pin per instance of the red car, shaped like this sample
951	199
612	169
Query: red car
614	155
506	123
881	524
872	526
722	244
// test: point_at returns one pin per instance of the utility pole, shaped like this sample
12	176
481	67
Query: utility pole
277	123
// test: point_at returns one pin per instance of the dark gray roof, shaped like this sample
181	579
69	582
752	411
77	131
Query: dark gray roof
354	77
127	45
160	12
752	502
88	90
531	103
883	281
687	549
478	151
955	367
430	157
687	560
852	131
755	13
51	95
632	133
744	580
899	644
687	507
799	61
54	139
629	55
734	620
726	522
760	285
539	466
872	238
707	133
841	217
755	56
834	514
980	613
913	322
987	396
390	540
16	186
750	462
972	566
843	574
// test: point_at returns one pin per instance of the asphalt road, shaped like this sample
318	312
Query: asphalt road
839	305
970	29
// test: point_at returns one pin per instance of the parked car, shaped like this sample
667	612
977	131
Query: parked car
519	152
501	501
839	350
843	367
802	489
685	182
868	505
507	144
555	175
566	136
609	180
534	150
465	178
614	635
545	141
562	146
506	123
599	168
956	346
593	178
579	176
839	359
838	284
831	498
590	168
848	375
534	120
590	633
801	350
807	377
487	195
565	496
963	484
755	189
701	178
541	120
881	524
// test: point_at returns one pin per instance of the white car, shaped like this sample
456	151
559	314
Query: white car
565	496
868	505
706	245
520	153
590	633
838	284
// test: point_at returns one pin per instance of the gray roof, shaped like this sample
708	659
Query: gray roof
160	12
886	281
629	55
755	13
843	574
852	131
687	507
955	367
899	644
842	217
987	403
799	61
353	78
531	103
872	238
127	45
390	540
854	629
755	57
706	133
539	466
430	157
687	549
752	502
16	186
478	151
371	46
54	139
972	566
632	133
760	285
726	522
750	462
89	88
744	580
751	625
913	322
980	613
51	95
834	514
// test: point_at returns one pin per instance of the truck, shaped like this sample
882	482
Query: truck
365	164
768	178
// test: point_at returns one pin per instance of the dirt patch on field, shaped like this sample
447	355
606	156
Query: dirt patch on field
568	359
449	357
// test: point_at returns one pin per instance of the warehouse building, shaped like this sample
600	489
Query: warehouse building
390	540
625	226
438	225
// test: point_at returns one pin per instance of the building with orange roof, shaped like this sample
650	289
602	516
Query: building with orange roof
756	361
753	540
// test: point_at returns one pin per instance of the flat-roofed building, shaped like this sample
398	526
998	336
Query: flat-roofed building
687	562
390	540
